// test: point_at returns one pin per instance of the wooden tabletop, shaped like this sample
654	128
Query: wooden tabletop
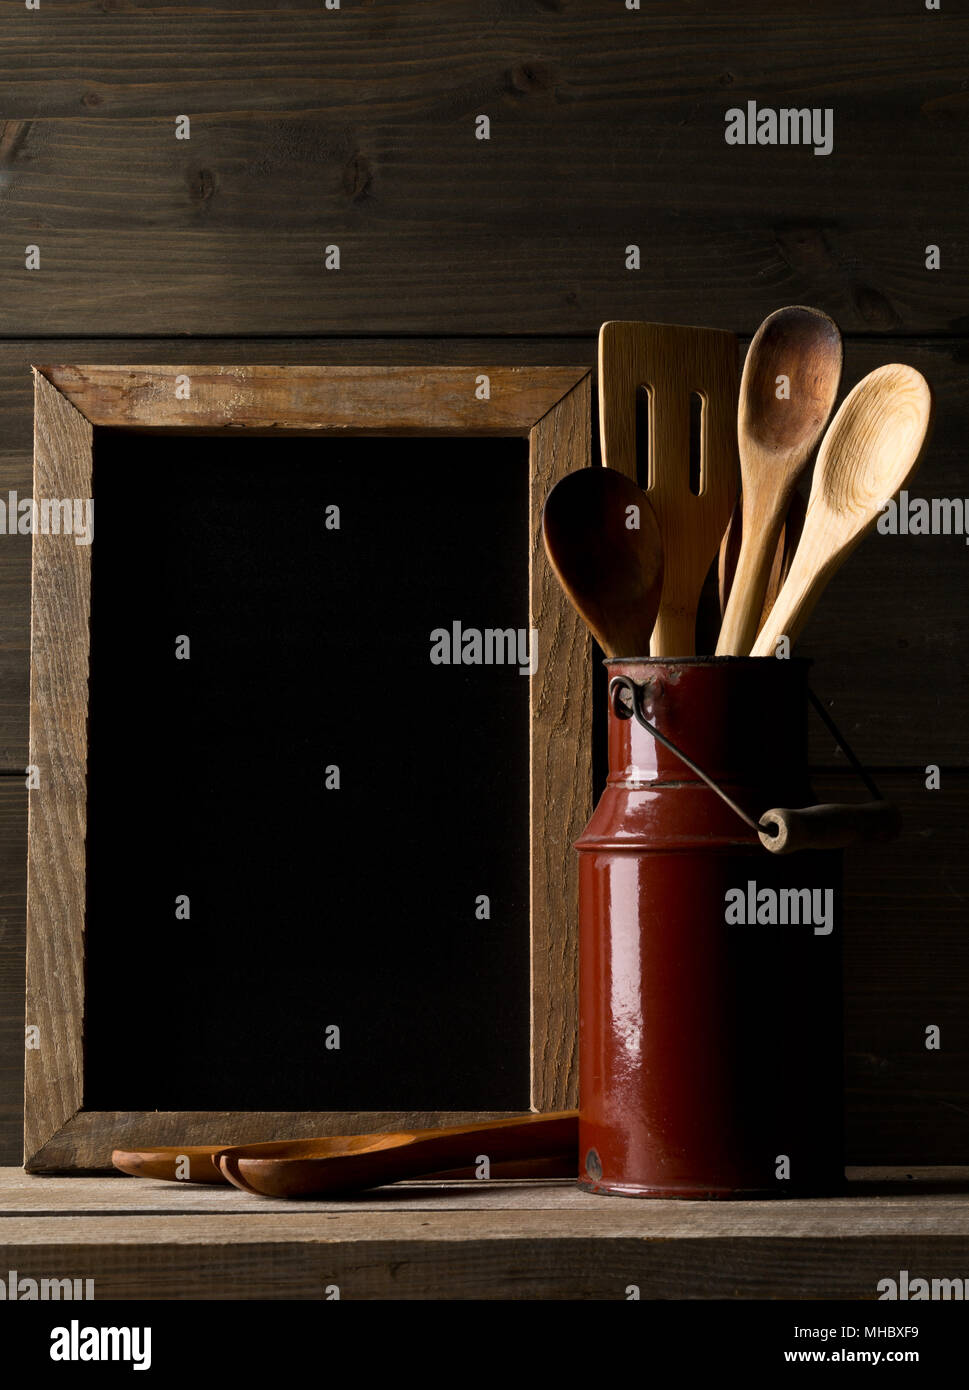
471	1240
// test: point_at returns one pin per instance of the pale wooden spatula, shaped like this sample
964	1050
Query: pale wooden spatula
871	449
672	363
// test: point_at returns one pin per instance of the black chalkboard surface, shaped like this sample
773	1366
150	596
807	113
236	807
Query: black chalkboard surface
310	907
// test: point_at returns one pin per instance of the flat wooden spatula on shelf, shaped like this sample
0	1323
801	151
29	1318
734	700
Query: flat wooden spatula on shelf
673	363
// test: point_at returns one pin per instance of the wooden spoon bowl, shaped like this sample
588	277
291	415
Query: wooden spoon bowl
315	1168
603	543
871	450
526	1146
787	392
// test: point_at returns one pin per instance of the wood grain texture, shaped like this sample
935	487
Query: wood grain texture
611	573
787	541
129	1260
869	454
552	406
880	1195
57	823
349	400
672	363
906	962
778	432
85	1142
315	1168
358	128
478	1240
13	925
561	767
242	57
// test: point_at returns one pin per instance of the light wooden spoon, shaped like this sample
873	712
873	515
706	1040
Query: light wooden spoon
871	450
777	435
783	555
603	543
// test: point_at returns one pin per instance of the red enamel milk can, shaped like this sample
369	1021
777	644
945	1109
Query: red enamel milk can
710	1034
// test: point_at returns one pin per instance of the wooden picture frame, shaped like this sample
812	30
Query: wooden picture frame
551	408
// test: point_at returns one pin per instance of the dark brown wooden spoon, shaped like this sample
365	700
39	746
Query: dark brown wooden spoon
603	543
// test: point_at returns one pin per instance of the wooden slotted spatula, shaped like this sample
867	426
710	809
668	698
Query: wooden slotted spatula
672	363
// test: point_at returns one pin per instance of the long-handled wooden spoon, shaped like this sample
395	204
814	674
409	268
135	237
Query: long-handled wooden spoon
531	1146
787	393
783	555
372	1160
870	451
673	363
603	543
194	1163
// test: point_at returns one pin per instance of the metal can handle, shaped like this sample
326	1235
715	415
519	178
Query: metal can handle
782	830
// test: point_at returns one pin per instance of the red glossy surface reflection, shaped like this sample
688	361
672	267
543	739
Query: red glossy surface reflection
710	1053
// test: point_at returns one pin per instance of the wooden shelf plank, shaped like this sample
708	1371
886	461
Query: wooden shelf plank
502	1240
878	1200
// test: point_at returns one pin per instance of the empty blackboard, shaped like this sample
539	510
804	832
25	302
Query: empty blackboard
319	828
310	734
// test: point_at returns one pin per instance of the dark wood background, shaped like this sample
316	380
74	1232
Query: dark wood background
356	127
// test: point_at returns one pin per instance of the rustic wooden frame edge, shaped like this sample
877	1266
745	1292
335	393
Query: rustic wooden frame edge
551	407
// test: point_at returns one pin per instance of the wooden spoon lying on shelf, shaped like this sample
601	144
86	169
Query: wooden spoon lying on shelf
870	451
528	1146
319	1168
194	1163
